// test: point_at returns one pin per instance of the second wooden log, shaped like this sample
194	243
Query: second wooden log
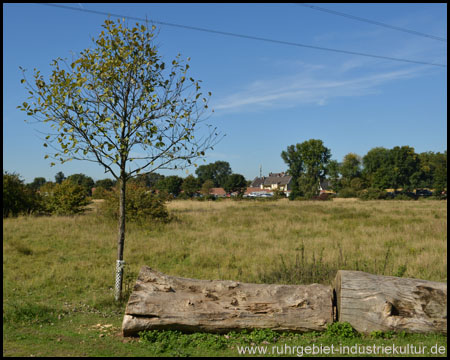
388	303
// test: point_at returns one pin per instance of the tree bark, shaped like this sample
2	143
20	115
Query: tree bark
121	240
160	301
373	302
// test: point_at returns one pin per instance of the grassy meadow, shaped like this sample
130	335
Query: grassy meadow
58	272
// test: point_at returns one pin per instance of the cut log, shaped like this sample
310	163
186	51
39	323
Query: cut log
387	303
160	301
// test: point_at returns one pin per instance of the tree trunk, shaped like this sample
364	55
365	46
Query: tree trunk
373	302
120	241
159	301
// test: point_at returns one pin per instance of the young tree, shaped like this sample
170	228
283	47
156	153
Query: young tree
119	105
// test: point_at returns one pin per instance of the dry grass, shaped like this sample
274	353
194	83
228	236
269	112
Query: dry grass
73	258
245	239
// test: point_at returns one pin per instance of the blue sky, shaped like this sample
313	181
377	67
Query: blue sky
266	96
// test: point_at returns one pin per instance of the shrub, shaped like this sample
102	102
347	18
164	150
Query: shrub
373	194
278	194
100	192
141	205
17	197
66	198
323	197
295	194
347	193
440	194
405	195
356	184
86	182
341	330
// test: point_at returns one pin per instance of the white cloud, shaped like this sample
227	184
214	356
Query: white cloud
315	87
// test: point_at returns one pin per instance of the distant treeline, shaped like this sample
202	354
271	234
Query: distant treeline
309	163
68	195
380	169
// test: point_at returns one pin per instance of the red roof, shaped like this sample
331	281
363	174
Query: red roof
217	191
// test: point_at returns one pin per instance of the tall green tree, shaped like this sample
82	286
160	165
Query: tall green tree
334	175
191	185
149	180
17	197
86	182
394	168
218	172
376	168
120	105
235	183
432	171
37	183
59	177
440	172
106	184
350	168
170	184
206	187
404	162
307	163
292	157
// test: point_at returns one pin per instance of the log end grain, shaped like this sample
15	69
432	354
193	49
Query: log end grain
388	303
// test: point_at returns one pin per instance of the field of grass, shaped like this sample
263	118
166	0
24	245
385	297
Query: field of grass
58	272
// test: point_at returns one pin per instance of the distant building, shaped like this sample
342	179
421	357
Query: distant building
325	187
275	181
218	192
257	192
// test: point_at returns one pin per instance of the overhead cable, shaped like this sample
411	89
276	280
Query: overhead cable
372	22
245	36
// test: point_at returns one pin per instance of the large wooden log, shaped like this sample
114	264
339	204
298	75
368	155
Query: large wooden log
373	302
160	301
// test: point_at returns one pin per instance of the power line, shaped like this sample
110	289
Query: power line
245	36
373	22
